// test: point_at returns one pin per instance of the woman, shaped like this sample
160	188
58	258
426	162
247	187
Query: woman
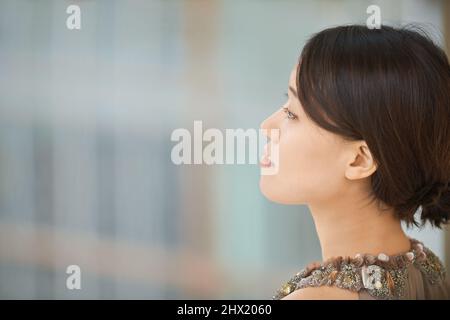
364	141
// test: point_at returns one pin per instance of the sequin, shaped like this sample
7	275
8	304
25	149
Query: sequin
371	276
383	257
410	256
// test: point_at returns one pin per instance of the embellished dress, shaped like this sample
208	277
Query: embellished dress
416	274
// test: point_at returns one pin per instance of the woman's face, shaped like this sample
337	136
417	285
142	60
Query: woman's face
311	161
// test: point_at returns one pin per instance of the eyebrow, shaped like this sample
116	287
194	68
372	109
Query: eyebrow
293	91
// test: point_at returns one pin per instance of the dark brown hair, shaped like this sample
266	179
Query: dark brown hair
391	88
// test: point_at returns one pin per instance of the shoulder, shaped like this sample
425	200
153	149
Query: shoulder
322	293
380	277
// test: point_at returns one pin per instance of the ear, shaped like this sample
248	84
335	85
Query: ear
361	163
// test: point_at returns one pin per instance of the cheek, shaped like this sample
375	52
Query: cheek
308	168
303	161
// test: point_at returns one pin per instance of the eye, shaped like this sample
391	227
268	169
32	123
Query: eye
289	114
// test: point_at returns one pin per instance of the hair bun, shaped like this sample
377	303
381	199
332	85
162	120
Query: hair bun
435	202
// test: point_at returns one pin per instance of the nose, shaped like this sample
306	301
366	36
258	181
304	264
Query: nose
270	126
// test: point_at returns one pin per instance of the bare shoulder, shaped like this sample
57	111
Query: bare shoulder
322	293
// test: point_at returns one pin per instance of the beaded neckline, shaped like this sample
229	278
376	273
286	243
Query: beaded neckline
383	276
415	252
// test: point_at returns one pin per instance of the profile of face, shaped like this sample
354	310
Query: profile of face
314	165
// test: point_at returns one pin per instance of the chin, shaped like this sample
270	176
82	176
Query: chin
271	192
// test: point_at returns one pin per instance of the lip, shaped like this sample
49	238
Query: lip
265	161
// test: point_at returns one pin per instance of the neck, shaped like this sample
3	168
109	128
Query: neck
348	229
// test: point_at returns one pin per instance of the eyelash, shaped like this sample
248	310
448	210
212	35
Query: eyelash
289	114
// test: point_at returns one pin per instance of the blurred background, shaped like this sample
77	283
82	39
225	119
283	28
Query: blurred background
85	123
